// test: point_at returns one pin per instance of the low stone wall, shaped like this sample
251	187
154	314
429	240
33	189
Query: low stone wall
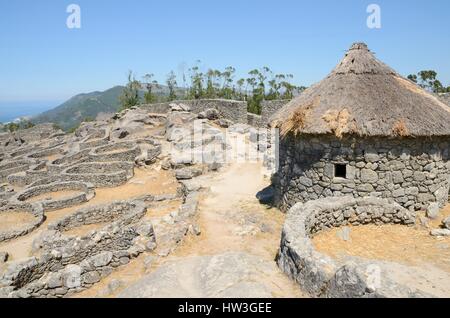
121	151
34	209
270	107
105	166
235	111
55	150
72	264
87	190
63	163
413	171
22	151
105	174
93	143
38	132
12	167
35	173
320	275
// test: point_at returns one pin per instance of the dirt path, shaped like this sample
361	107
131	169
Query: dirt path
231	221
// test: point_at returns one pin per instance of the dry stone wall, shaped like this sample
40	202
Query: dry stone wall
322	276
235	111
270	107
414	172
70	264
86	192
35	210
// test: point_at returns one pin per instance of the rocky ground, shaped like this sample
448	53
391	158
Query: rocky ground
208	229
238	242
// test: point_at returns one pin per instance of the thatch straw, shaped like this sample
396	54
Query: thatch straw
365	97
400	129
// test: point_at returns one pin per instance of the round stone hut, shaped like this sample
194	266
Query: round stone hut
364	130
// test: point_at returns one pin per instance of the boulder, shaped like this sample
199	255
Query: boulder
224	123
226	275
91	277
440	232
210	114
72	276
433	210
179	107
446	223
187	173
119	133
102	259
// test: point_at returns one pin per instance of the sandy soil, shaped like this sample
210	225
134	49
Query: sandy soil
411	255
114	151
14	220
145	181
58	195
405	245
53	157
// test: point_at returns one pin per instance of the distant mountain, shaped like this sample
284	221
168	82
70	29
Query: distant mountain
72	112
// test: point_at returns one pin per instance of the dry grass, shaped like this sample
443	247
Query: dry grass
340	122
399	129
297	121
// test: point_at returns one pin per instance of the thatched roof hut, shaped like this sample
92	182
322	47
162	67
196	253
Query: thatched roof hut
363	96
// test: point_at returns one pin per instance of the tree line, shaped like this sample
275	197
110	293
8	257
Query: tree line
260	84
428	80
16	125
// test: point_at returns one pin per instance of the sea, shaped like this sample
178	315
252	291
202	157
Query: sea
10	111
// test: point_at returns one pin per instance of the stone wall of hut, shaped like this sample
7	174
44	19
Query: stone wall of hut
414	172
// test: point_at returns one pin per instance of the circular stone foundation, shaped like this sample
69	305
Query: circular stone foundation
16	221
105	174
13	167
81	260
96	140
51	151
60	195
319	274
121	151
107	217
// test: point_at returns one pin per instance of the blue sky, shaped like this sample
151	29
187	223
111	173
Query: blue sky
42	60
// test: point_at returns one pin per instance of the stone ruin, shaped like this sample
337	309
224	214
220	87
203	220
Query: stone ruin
320	275
39	165
413	172
363	146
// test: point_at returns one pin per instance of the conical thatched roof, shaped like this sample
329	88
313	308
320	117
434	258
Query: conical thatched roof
365	97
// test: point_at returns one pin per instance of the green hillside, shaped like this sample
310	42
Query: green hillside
72	112
80	107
